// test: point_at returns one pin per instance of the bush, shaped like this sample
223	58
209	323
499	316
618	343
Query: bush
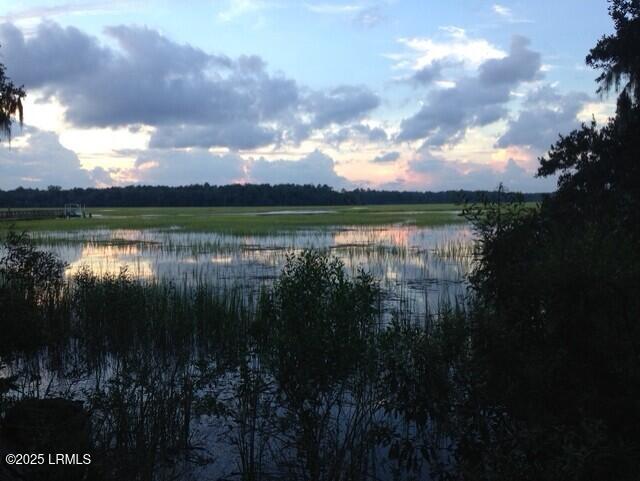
317	322
31	290
555	338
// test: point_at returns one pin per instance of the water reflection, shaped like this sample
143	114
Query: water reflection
419	267
312	384
109	259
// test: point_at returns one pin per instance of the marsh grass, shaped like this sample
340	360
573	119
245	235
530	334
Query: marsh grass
305	377
410	262
247	220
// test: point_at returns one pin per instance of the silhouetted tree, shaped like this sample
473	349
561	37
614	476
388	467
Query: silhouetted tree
555	321
10	103
618	55
599	172
230	195
599	167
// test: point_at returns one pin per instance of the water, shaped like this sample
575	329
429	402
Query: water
418	267
250	412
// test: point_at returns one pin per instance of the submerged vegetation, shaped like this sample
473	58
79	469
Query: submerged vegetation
289	381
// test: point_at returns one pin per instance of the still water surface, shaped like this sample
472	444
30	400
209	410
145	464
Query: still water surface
418	267
244	419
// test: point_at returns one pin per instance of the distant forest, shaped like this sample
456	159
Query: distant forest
232	195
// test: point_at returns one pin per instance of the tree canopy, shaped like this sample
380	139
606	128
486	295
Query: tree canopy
599	168
618	55
230	195
554	327
10	103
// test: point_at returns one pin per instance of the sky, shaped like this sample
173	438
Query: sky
384	94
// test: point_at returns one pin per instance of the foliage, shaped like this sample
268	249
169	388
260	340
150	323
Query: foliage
536	379
10	103
554	337
424	376
39	272
118	313
617	54
31	285
227	196
315	332
317	316
599	171
554	329
141	418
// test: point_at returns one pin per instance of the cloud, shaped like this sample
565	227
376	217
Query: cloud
357	133
179	167
164	167
53	56
474	101
370	17
37	159
334	8
152	81
101	177
428	74
386	158
315	168
361	15
448	113
193	97
236	136
506	14
439	73
502	11
521	65
455	47
341	104
43	11
436	173
239	8
546	113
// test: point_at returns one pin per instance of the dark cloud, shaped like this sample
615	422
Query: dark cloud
386	158
449	112
428	74
43	161
451	175
52	56
473	101
342	104
315	168
545	114
373	134
521	65
164	167
101	176
357	132
237	136
149	79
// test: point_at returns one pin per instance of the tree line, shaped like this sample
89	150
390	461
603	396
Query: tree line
232	195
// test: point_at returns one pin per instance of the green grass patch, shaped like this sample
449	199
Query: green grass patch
246	220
